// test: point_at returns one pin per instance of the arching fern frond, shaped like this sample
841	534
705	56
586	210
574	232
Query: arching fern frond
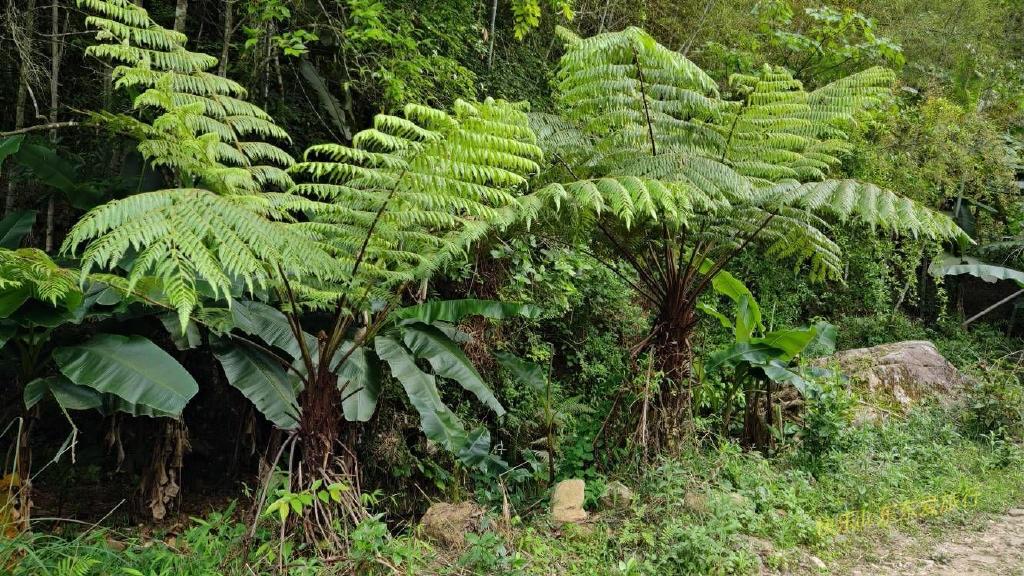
184	236
412	192
30	273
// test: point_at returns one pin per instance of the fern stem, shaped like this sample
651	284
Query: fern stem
643	98
296	325
725	261
340	323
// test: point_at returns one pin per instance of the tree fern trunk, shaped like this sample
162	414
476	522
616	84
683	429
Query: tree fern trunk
673	352
321	423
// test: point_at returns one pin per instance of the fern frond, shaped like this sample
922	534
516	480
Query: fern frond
184	235
412	192
31	272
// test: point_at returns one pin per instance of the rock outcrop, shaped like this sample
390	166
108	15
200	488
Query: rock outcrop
904	371
616	495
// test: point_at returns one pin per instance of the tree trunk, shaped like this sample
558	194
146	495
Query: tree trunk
673	357
54	107
161	482
180	13
328	455
229	24
321	423
25	52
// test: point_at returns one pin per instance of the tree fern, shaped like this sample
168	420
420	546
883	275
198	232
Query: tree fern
644	140
404	199
674	180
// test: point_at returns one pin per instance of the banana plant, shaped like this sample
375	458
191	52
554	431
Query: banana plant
40	302
758	359
261	358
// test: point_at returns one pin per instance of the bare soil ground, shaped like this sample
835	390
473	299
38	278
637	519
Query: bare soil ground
992	546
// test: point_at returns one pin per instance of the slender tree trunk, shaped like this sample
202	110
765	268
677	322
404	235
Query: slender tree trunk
490	49
180	14
225	50
54	106
22	96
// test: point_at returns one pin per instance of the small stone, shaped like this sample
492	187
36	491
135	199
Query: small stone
448	523
1016	513
616	495
567	502
817	563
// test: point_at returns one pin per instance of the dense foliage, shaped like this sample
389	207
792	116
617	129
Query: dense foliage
303	268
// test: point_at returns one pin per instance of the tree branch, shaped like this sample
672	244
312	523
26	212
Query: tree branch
41	128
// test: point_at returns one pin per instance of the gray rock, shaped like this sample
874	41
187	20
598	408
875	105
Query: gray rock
902	371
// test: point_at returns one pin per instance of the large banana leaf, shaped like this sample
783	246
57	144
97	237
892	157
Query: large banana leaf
57	172
360	380
71	396
448	361
10	145
270	325
131	368
437	420
455	310
263	380
950	265
476	450
742	352
14	227
748	313
824	341
11	298
776	371
183	340
790	342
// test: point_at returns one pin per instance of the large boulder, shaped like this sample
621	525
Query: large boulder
448	523
903	371
567	502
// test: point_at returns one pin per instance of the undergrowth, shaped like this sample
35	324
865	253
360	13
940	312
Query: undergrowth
715	509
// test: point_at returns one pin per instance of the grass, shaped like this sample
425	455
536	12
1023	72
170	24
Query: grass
721	510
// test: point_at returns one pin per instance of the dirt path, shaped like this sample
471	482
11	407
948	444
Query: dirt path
997	548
